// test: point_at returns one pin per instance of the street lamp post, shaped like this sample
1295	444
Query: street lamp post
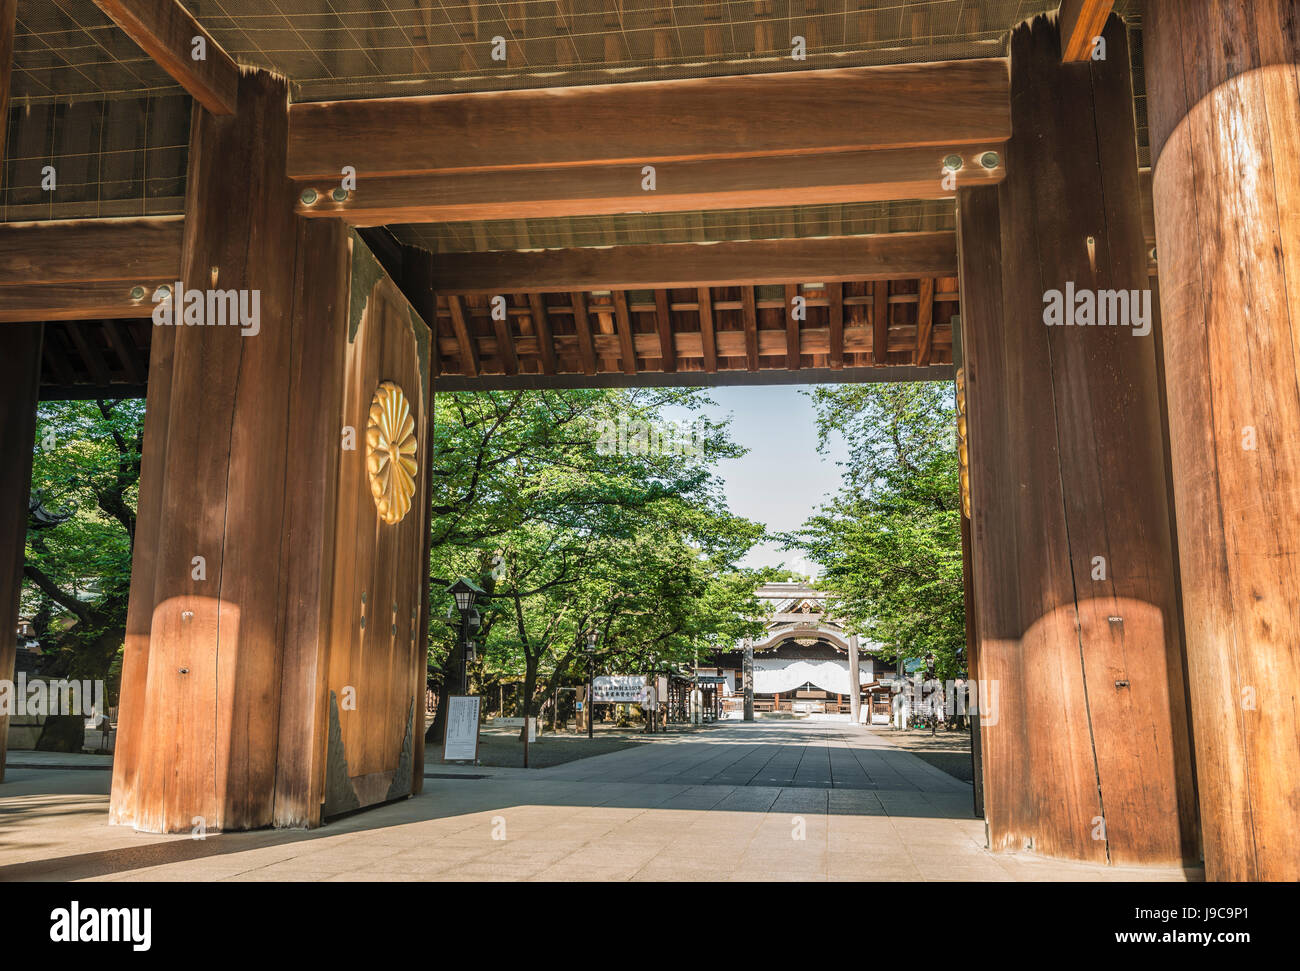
466	593
591	683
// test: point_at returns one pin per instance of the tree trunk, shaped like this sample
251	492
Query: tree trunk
450	672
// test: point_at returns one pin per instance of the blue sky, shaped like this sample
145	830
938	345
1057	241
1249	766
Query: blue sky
782	478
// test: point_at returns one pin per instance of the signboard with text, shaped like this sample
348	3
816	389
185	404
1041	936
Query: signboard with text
618	688
461	741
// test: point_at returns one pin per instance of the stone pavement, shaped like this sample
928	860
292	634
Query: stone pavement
765	801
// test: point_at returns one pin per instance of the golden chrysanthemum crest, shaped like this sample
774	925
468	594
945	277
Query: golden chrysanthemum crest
390	452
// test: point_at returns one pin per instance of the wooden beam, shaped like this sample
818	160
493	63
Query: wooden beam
689	265
91	250
505	345
604	189
78	301
166	31
791	328
707	338
127	353
664	325
910	105
750	310
925	322
582	326
542	330
469	363
880	322
624	321
1081	22
835	293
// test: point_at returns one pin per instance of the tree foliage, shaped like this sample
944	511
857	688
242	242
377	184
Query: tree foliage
889	542
569	537
77	567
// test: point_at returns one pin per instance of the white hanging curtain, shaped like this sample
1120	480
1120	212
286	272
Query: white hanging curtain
773	675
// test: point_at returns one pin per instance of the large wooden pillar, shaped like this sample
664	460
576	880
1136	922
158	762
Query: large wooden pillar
1083	722
270	674
20	371
1223	83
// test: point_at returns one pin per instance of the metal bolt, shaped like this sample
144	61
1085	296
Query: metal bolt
990	160
137	293
162	293
340	195
185	670
1152	254
363	622
308	197
187	615
952	163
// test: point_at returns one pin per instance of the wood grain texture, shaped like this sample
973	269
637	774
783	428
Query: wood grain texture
835	293
1081	22
708	337
1073	413
377	587
910	105
91	251
604	189
683	265
165	31
20	369
1224	101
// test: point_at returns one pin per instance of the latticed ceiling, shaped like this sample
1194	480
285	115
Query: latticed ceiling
88	101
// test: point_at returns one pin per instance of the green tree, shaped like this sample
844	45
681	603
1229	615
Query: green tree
889	542
572	528
77	568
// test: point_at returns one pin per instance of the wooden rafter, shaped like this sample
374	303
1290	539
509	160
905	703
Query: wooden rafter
127	353
542	329
673	265
505	344
750	312
835	294
708	339
167	32
1081	22
792	345
624	321
468	349
880	322
910	105
925	322
664	327
582	327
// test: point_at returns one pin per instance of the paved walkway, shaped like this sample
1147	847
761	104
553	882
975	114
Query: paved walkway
766	801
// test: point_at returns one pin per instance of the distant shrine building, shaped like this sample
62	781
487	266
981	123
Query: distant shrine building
803	661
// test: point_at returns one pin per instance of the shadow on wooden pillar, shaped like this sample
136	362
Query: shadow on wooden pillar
20	371
1085	741
1223	81
233	637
